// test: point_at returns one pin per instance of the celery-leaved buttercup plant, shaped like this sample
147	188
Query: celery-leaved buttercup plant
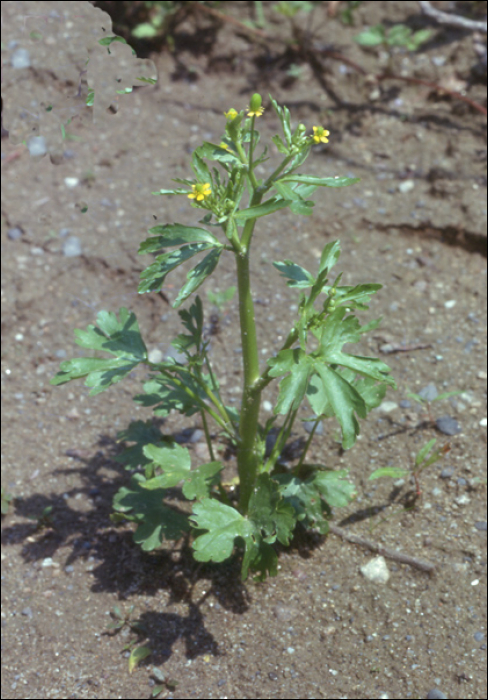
269	499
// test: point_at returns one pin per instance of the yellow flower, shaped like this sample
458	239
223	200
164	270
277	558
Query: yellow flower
256	113
231	114
320	134
200	191
224	145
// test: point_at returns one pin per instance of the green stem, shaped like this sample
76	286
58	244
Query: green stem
247	457
298	467
207	435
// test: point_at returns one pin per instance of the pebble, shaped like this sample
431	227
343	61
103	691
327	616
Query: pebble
436	694
483	422
37	146
376	570
429	392
155	356
447	472
406	186
450	304
448	425
387	406
308	425
267	406
14	233
72	247
20	59
481	525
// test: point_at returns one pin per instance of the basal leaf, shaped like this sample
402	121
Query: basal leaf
223	523
334	487
174	460
156	521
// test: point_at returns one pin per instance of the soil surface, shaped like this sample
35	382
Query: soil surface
416	222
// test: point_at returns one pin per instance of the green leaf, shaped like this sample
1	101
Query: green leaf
174	460
423	452
302	208
278	141
284	117
393	472
294	386
304	497
142	433
192	319
155	519
223	523
330	256
263	209
200	480
222	155
120	338
336	332
269	512
200	168
334	487
298	276
198	275
152	278
328	390
286	191
321	181
138	654
372	36
175	234
166	396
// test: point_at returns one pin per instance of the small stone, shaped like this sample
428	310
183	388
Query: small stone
481	525
448	425
450	304
155	356
436	694
406	186
376	570
14	233
483	422
387	406
20	59
37	146
429	392
72	247
267	406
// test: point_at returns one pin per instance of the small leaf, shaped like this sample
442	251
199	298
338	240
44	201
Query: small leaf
298	275
175	234
152	278
393	472
138	654
263	209
198	275
321	181
424	451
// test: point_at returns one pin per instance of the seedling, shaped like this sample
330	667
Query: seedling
122	620
266	502
428	399
424	458
398	35
7	498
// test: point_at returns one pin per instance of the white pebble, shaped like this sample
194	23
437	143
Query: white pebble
450	304
376	570
268	406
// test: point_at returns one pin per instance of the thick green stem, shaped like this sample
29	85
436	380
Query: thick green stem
248	457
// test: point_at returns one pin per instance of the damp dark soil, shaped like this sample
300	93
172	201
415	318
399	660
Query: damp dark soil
71	224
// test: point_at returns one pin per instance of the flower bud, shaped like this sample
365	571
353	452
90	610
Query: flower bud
255	103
